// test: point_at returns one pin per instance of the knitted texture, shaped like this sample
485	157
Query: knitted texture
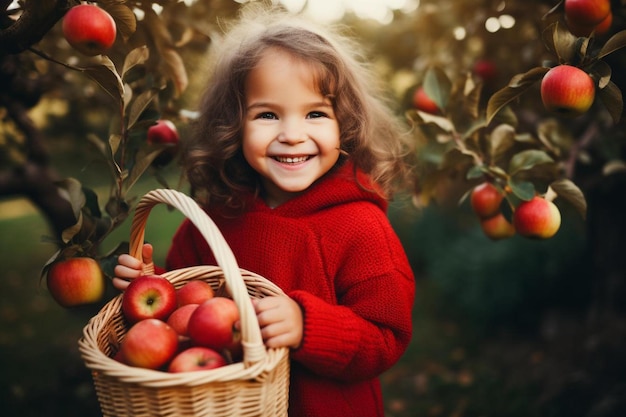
333	250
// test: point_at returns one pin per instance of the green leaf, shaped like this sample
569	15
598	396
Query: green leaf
565	44
501	140
114	143
175	68
616	42
569	191
442	122
437	86
143	160
107	77
614	167
91	202
611	97
471	97
523	190
125	19
517	86
527	159
138	105
603	71
475	171
72	190
137	56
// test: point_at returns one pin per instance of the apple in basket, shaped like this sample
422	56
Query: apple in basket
149	296
194	292
150	343
196	358
179	319
212	324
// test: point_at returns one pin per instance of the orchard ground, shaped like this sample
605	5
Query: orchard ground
500	328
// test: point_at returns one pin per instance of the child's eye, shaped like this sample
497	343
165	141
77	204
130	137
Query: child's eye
316	115
266	115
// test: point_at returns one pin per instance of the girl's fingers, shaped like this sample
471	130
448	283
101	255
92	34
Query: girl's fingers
120	284
124	271
129	261
146	253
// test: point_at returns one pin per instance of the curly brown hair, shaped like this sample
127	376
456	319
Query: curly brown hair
371	136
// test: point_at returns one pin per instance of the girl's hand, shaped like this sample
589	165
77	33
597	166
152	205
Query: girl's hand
280	319
129	267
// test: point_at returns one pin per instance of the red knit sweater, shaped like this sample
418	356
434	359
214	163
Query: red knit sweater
332	250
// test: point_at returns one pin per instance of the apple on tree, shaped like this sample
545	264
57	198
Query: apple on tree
194	292
89	29
149	343
497	227
76	281
485	200
196	358
421	101
586	12
485	69
149	296
164	132
537	218
600	29
567	89
212	324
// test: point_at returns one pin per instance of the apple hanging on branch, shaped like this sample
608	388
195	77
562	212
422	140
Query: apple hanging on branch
89	29
165	134
501	168
75	281
136	109
567	87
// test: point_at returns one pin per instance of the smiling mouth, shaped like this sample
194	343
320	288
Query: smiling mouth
291	160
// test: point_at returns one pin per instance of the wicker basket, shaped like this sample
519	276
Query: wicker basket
257	386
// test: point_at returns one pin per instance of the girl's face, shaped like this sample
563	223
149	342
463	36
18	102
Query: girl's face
291	134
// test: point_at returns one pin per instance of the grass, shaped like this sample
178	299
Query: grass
42	372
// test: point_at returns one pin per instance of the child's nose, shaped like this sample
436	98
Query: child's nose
292	132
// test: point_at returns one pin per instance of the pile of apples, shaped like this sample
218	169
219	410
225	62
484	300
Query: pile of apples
178	330
537	218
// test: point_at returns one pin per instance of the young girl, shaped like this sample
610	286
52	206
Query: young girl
293	158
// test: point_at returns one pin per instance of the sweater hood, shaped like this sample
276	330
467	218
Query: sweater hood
338	187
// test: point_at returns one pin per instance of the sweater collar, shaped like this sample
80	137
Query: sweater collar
338	187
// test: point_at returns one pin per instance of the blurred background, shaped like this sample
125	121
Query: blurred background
513	327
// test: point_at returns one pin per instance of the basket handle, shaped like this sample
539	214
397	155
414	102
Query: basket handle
252	341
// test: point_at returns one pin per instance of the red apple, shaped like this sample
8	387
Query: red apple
179	319
196	358
150	343
497	227
89	29
603	27
194	292
586	12
600	29
118	357
485	200
164	132
212	324
485	69
567	89
423	102
150	296
537	218
76	281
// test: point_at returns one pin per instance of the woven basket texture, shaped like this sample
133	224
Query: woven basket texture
256	386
